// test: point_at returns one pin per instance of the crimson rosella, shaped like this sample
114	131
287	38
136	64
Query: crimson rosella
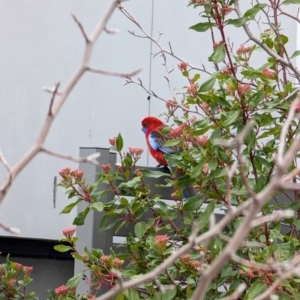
155	140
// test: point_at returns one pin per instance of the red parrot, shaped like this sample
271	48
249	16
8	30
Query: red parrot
155	139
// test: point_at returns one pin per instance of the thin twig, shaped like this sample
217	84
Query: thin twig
55	89
87	40
89	159
116	74
12	230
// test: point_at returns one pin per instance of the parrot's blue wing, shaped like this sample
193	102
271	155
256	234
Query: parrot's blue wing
157	141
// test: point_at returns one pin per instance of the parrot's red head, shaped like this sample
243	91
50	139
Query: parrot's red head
151	122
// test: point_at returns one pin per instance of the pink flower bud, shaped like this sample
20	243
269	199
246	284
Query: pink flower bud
192	90
243	88
27	270
268	73
117	263
106	168
161	242
68	232
113	141
64	172
183	66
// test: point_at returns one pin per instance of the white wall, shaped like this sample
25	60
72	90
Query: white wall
40	45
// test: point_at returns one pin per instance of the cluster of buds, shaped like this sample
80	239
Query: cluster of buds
202	140
177	132
171	105
64	291
204	106
244	50
244	88
192	90
69	232
183	66
225	10
268	73
227	71
186	260
113	141
136	152
106	168
109	263
68	176
19	267
161	242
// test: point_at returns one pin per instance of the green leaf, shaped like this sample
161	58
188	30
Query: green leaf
74	281
119	297
256	289
131	183
170	293
208	84
119	142
251	13
201	27
296	53
219	54
231	119
69	207
205	216
131	294
257	98
140	229
98	206
154	174
213	163
79	220
291	2
171	143
235	22
197	170
30	295
62	248
193	203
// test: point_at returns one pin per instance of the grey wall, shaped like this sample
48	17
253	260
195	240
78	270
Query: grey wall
40	45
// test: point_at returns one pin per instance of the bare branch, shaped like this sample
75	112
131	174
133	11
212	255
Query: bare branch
12	230
38	145
237	293
111	31
55	89
5	163
284	131
288	14
276	216
89	159
116	74
156	42
87	40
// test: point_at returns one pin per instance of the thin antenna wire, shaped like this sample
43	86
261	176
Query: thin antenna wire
150	70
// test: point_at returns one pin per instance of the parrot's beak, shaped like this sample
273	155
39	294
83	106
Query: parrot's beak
144	129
